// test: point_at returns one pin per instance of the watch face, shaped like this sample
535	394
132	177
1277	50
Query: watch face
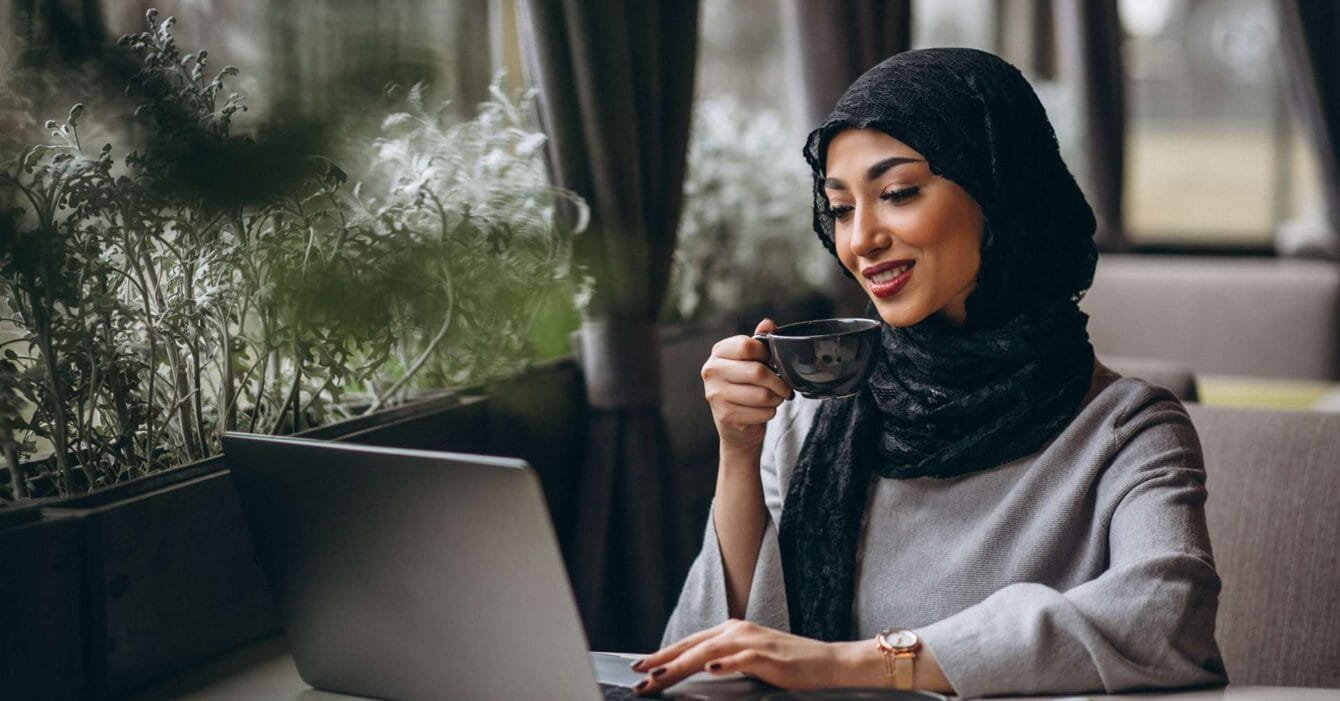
901	639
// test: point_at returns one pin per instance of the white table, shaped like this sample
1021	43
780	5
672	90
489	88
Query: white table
264	671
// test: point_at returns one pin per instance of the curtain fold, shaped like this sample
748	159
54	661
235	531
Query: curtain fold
1090	37
837	40
616	94
1308	33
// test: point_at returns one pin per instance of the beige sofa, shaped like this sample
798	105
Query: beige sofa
1274	518
1262	317
1176	376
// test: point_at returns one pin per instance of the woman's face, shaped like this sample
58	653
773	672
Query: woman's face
911	238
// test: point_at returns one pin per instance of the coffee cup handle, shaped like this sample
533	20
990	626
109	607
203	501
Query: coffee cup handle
770	361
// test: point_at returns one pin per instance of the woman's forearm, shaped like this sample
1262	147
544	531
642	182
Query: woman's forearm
740	517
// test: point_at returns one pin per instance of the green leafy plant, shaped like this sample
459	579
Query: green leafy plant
212	281
744	234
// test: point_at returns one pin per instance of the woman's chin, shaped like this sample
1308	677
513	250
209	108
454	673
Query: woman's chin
907	311
900	315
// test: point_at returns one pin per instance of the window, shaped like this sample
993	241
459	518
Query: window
744	230
1214	156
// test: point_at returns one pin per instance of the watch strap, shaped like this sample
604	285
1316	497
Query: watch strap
904	671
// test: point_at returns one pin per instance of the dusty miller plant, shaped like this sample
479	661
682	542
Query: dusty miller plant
744	234
211	281
478	191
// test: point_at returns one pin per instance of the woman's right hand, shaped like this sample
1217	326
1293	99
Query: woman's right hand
743	391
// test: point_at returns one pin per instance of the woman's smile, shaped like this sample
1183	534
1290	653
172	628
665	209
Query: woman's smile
888	278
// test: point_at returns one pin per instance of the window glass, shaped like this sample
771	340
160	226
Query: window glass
1214	155
328	54
744	238
742	55
970	23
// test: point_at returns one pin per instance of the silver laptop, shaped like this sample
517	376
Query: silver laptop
411	574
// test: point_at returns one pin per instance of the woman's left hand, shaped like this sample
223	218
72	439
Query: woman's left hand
781	659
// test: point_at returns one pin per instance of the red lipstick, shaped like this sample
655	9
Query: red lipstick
891	287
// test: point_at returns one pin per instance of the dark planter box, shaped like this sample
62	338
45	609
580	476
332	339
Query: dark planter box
103	593
41	582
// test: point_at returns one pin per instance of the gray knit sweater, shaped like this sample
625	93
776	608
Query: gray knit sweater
1084	567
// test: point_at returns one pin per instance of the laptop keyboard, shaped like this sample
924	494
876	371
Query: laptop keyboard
614	692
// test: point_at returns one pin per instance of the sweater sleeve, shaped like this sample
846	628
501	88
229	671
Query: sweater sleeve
702	601
1146	622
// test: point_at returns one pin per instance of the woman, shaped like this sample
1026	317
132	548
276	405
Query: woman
996	512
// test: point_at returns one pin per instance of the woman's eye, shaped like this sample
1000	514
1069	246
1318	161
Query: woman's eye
900	195
840	211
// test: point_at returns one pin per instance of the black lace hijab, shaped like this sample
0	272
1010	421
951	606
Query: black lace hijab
947	401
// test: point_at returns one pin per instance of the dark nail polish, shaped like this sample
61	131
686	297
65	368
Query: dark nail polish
714	667
636	663
656	673
641	685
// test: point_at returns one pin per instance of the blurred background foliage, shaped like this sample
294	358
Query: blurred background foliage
744	232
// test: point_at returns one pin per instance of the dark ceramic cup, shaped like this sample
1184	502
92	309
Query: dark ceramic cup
824	359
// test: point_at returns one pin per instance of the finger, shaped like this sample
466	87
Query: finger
740	347
726	642
749	661
746	372
722	393
674	650
765	326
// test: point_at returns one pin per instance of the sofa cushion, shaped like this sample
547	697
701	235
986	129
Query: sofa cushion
1274	519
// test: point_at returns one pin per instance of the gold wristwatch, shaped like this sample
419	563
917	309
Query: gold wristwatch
899	647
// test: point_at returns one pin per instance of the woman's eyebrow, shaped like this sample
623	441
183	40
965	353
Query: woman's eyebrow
873	172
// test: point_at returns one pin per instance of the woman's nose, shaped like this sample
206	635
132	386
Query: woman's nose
869	233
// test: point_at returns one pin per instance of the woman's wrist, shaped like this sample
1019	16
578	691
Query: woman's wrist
740	458
859	663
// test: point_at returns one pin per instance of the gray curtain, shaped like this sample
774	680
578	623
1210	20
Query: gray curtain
1309	32
616	93
1090	37
838	40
